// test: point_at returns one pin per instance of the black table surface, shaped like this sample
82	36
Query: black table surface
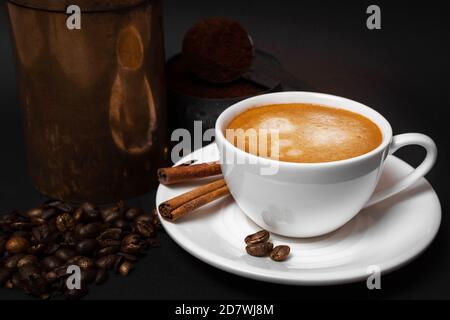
401	70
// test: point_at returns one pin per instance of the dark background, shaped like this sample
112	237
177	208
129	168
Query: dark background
401	70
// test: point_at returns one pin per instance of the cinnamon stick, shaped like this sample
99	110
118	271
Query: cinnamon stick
182	173
177	207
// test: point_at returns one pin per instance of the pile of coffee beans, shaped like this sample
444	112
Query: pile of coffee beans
39	245
258	245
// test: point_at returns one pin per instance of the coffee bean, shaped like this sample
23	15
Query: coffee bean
61	271
85	262
90	230
10	262
88	276
111	214
17	245
78	215
145	229
133	213
9	284
49	213
40	233
108	243
74	260
259	249
90	212
45	296
88	207
135	249
280	253
50	277
34	213
258	237
131	239
121	224
108	250
65	254
144	218
125	268
50	263
92	216
76	294
60	205
127	256
106	262
102	276
65	222
132	244
35	221
25	260
111	233
87	247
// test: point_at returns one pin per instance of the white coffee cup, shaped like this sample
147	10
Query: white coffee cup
311	199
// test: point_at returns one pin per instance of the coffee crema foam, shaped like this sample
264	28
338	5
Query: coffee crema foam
307	133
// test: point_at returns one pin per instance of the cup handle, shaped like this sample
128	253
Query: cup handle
398	142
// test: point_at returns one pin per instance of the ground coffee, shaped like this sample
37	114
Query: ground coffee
181	80
218	50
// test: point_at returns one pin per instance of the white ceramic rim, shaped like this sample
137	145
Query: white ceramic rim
299	97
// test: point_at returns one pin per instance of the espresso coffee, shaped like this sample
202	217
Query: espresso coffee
306	133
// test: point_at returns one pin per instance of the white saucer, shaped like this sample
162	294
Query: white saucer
387	235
